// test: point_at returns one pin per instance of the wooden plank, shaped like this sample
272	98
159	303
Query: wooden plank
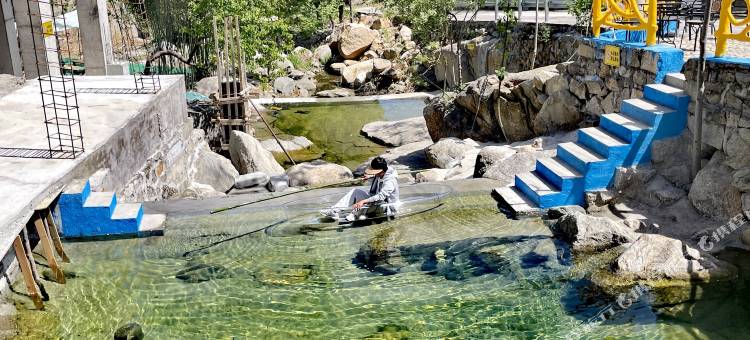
28	277
52	227
49	255
30	257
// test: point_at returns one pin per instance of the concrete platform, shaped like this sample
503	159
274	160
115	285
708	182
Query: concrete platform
120	132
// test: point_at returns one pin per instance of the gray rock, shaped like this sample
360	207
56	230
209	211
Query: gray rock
432	175
248	155
448	152
131	331
213	169
555	84
380	65
207	86
307	84
357	74
654	256
397	133
506	169
297	143
284	65
661	192
405	33
559	112
737	147
317	173
557	212
578	88
512	118
338	68
284	86
335	93
296	74
323	54
278	183
589	233
250	180
741	180
355	39
490	156
712	193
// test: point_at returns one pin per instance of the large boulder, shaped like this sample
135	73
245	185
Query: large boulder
355	39
589	233
449	152
248	155
213	169
317	173
284	86
207	86
397	133
504	169
358	73
653	257
490	156
559	112
323	54
712	192
513	120
303	54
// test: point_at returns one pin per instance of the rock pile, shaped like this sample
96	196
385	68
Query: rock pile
370	56
521	106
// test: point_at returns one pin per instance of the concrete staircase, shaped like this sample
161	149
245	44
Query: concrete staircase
621	140
85	213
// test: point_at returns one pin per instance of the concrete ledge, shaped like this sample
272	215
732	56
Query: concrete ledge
120	132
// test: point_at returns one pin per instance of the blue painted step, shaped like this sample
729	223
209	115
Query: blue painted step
621	140
85	213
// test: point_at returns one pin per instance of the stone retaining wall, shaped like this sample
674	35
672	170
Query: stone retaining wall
601	88
483	55
726	127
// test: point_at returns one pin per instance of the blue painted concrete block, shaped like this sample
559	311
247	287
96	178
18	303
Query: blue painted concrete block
84	213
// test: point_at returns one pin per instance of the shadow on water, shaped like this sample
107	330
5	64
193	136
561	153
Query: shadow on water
513	256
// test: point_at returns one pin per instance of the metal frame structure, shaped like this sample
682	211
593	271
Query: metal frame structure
56	85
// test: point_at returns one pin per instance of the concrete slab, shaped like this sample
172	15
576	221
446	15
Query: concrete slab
108	120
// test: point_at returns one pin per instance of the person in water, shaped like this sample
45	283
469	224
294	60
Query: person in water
381	198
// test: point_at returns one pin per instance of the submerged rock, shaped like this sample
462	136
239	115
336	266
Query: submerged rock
248	155
397	133
589	233
131	331
317	173
202	272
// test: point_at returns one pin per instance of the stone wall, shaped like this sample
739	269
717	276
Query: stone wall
601	88
722	188
483	55
548	99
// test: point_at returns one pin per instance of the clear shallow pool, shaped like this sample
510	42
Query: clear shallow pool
335	128
460	270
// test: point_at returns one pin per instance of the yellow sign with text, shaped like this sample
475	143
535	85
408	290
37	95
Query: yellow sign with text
47	28
612	56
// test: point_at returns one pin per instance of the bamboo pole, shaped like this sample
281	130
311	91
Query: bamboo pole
47	248
272	132
52	227
30	257
698	133
28	276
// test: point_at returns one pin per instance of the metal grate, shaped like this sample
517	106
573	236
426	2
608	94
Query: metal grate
57	86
